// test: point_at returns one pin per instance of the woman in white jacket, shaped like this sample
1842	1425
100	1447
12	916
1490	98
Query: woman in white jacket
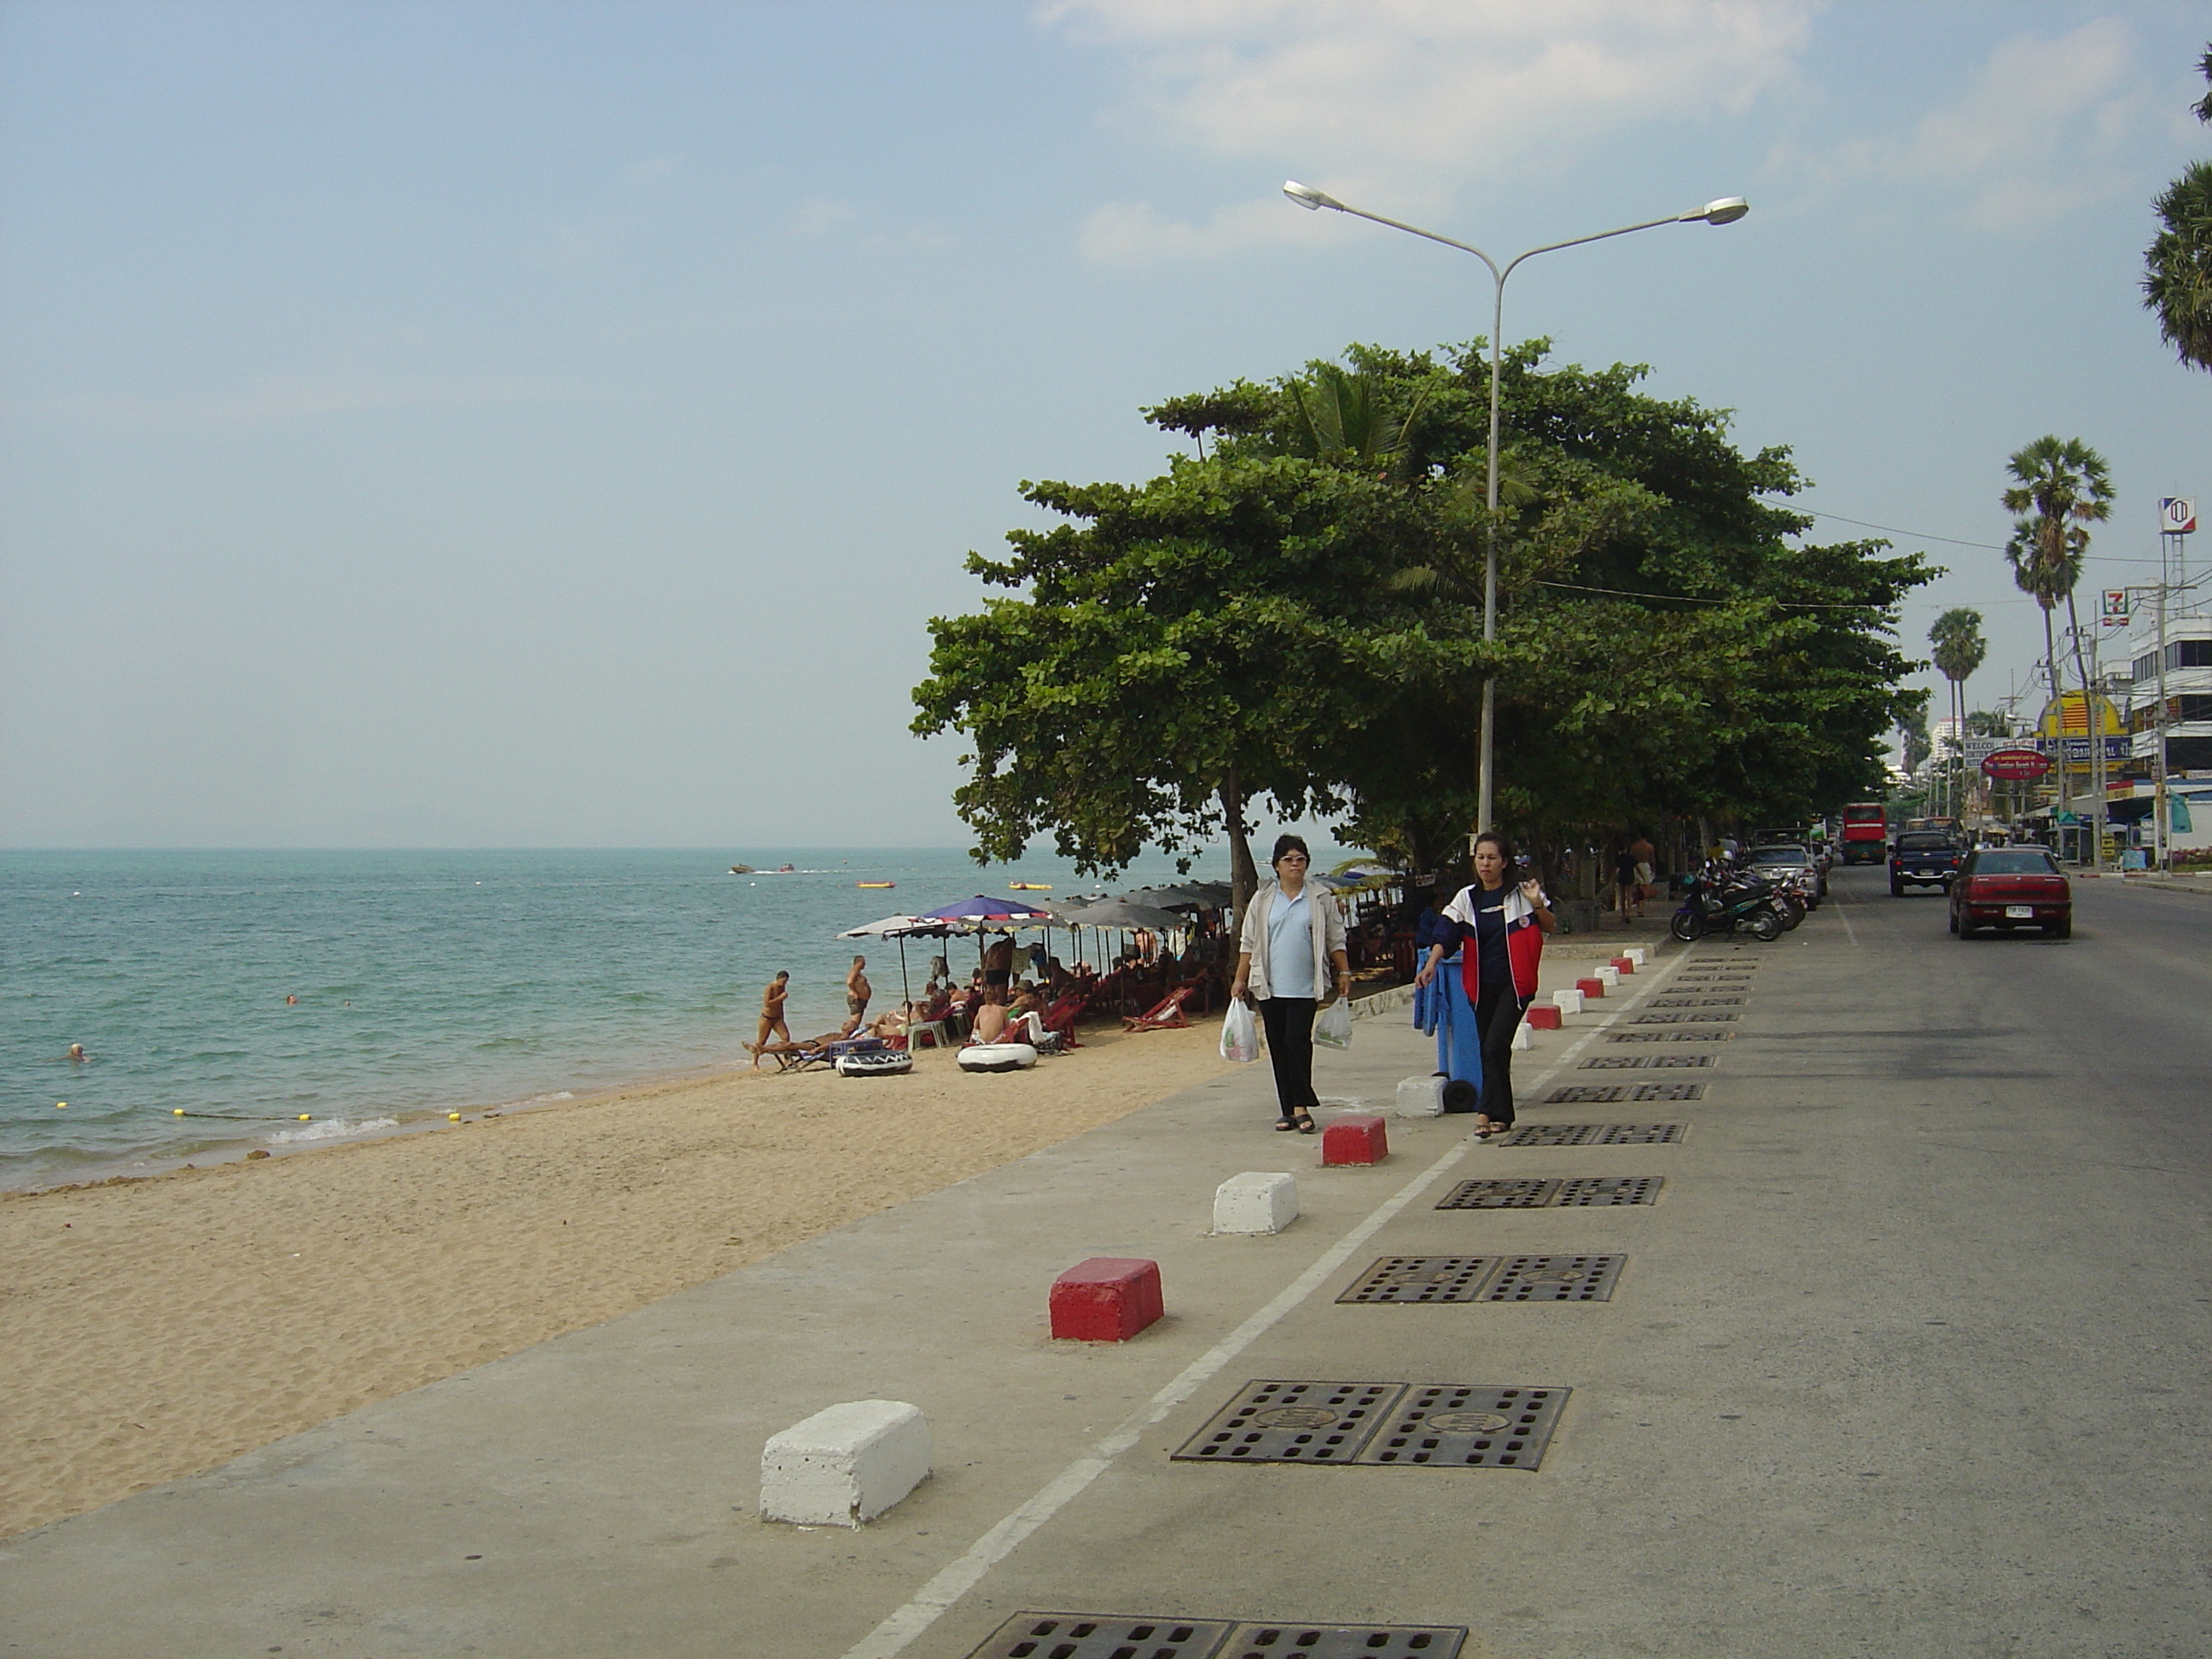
1292	934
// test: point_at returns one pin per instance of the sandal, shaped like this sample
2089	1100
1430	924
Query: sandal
1285	1127
1303	1121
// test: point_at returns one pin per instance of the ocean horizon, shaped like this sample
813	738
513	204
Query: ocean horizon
426	980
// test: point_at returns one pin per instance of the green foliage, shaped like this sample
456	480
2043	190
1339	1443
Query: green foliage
2060	487
2178	264
1295	613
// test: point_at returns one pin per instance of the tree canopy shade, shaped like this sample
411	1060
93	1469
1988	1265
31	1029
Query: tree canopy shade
2177	265
1293	612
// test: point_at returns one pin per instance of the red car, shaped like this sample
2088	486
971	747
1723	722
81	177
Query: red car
2010	887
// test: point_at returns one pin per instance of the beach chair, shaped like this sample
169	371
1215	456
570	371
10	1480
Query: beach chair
1170	1014
1059	1018
932	1029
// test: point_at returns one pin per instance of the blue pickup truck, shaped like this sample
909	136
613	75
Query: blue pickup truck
1923	858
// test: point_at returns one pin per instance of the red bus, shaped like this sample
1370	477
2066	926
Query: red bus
1866	833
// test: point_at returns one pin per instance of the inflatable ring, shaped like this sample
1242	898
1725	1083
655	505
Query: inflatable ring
875	1062
997	1057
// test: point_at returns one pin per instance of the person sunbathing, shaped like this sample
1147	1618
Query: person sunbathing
801	1046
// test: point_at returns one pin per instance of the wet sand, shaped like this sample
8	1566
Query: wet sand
162	1327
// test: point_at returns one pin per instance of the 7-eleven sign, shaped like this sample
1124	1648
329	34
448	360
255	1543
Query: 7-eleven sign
2116	607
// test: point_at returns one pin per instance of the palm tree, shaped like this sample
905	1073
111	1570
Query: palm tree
1958	647
2177	265
2060	486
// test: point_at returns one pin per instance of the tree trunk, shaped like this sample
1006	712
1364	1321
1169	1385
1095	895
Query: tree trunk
1244	875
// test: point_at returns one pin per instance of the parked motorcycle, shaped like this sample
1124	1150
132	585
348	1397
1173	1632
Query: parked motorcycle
1719	900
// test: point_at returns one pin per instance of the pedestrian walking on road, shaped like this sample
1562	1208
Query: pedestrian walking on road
1498	928
1628	890
1292	935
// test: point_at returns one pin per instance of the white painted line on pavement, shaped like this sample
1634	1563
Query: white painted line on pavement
934	1599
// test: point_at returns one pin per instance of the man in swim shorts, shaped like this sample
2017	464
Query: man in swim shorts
771	1015
857	989
998	965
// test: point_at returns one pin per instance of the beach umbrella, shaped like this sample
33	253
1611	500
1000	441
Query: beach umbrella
1000	912
1128	911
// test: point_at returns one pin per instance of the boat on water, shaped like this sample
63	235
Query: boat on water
1029	887
875	883
743	870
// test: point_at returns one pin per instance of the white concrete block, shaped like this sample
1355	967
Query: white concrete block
1567	1002
845	1464
1522	1039
1420	1096
1609	975
1636	954
1257	1201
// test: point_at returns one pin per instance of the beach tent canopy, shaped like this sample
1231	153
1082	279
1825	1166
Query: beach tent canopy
903	927
980	911
1183	895
1119	913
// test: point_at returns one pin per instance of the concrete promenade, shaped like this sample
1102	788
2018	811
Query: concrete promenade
1909	1359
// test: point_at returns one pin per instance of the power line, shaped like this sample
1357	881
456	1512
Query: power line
1923	536
1689	598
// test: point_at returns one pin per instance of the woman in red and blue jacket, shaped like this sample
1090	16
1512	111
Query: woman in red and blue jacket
1497	929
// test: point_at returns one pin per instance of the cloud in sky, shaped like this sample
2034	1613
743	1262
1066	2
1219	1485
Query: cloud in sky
2036	132
1412	100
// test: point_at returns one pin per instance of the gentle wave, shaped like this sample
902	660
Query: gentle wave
336	1129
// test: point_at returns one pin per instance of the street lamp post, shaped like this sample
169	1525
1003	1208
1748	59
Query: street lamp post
1725	211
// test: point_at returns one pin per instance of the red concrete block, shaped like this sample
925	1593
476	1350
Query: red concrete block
1541	1016
1624	965
1592	989
1109	1298
1358	1139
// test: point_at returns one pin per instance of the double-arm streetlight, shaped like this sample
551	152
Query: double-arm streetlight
1725	211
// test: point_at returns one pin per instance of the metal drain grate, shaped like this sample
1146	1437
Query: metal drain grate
1477	1426
1590	1192
1709	1020
1103	1636
1587	1094
1345	1641
1279	1422
1680	1062
1696	1036
1590	1134
1657	1019
1555	1278
1498	1195
1423	1278
1699	1002
1667	1091
1614	1062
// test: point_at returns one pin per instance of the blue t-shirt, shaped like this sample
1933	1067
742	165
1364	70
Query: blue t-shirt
1289	946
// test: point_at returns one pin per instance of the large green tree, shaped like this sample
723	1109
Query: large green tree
2177	265
1957	648
1293	611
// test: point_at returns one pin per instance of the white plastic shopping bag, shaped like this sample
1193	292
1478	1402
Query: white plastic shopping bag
1239	1033
1334	1028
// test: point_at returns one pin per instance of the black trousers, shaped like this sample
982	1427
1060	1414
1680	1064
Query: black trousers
1498	1015
1289	1023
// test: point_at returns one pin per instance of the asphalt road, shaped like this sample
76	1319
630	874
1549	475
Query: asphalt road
1909	1359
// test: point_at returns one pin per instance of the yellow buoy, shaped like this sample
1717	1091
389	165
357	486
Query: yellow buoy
60	1104
176	1111
303	1117
452	1117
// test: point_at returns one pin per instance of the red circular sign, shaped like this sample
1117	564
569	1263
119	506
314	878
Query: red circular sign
2016	765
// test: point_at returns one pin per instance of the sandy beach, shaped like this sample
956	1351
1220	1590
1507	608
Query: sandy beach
161	1327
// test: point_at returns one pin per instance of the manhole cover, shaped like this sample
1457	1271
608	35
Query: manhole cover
1555	1278
1498	1195
1103	1636
1237	1434
1590	1134
1423	1279
1681	1062
1418	1431
1614	1063
1344	1641
1667	1091
1587	1094
1590	1192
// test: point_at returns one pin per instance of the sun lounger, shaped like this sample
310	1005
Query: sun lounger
1169	1014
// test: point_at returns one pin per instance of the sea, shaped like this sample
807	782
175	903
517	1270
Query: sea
425	982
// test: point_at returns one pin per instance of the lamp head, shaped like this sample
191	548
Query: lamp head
1307	198
1726	211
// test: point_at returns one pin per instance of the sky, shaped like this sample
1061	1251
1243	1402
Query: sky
554	424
